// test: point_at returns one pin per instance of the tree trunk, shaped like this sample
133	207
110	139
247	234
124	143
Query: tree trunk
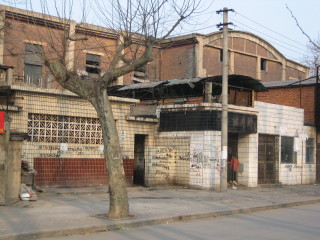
119	205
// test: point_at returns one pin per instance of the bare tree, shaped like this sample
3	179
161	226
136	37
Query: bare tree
313	58
138	25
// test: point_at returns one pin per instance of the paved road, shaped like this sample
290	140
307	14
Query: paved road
301	222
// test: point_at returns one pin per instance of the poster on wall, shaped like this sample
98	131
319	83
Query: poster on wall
2	115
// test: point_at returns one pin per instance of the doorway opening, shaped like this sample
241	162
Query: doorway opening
139	159
232	153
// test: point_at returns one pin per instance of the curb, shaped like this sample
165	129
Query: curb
148	222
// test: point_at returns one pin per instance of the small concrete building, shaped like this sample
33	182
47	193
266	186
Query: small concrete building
271	142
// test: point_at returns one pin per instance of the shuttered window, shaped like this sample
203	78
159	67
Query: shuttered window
33	64
93	63
33	54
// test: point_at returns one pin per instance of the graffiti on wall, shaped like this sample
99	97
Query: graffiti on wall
162	161
167	163
206	157
292	166
58	151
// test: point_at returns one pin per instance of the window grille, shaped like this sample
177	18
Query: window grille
64	129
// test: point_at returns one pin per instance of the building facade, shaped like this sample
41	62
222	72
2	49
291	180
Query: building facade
199	55
26	35
171	137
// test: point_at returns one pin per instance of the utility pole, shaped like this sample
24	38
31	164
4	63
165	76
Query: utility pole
316	117
224	93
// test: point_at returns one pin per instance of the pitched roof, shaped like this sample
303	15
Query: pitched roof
290	83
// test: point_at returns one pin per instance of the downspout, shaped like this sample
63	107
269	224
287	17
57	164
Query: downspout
316	113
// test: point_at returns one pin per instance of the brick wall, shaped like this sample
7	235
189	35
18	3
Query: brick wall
178	62
76	172
17	33
245	65
211	61
273	72
294	97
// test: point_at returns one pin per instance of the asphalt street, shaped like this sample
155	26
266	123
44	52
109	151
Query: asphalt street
301	222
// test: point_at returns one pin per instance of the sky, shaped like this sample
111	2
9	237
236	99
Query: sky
269	19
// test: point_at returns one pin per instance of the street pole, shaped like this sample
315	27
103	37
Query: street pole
224	93
316	117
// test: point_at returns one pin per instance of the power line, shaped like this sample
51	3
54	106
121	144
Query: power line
276	43
272	38
270	29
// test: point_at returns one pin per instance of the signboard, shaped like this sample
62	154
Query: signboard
2	116
207	120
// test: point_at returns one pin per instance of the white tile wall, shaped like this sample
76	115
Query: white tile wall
288	121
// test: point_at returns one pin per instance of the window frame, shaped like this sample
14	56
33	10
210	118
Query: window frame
309	151
93	64
33	60
287	150
263	64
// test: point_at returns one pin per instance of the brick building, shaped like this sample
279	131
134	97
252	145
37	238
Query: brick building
26	34
64	139
198	55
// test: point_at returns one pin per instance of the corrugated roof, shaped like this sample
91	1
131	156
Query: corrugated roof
234	80
288	83
242	81
173	82
141	85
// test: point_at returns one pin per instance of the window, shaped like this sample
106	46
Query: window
221	55
288	155
33	64
93	63
64	129
309	150
263	64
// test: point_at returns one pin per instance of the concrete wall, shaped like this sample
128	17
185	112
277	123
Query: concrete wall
10	167
65	128
4	142
167	161
288	121
248	156
203	157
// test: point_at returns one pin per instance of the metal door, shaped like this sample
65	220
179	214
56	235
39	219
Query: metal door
268	159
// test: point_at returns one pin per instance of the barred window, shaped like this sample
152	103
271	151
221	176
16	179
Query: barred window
64	129
310	150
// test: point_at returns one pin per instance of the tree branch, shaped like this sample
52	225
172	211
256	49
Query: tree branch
303	32
146	57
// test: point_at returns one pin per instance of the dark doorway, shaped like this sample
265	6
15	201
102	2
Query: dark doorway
232	152
268	159
139	144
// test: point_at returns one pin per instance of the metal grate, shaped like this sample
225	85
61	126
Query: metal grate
64	129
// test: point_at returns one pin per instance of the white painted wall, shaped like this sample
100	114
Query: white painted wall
288	121
248	156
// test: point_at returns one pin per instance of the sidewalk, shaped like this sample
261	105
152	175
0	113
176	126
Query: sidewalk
62	211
